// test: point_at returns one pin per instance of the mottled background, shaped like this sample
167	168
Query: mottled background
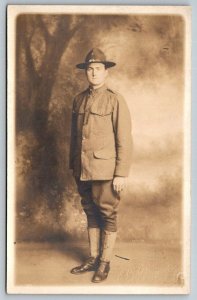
148	50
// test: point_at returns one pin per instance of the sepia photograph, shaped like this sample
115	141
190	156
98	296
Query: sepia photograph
98	149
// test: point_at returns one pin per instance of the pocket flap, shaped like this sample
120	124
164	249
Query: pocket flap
101	109
105	153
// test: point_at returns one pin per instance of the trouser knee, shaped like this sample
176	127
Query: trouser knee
92	213
109	223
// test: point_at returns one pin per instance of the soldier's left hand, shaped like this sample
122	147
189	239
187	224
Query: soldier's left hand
119	183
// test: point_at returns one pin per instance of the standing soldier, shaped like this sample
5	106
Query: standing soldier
100	156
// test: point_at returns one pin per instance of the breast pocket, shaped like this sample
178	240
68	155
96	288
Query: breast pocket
101	120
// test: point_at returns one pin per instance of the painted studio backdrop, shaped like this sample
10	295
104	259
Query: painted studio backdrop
148	50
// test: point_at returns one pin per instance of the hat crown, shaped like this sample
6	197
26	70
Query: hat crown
95	55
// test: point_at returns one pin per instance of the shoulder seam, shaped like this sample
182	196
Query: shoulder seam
112	91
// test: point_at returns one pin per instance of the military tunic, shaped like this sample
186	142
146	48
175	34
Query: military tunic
101	143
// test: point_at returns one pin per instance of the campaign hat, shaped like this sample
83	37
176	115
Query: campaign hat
95	55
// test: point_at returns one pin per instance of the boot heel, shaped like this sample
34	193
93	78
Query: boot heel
102	272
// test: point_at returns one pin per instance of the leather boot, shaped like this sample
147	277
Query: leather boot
102	272
91	264
108	239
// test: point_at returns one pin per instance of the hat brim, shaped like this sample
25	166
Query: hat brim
108	64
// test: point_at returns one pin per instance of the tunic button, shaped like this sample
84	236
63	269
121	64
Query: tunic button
83	138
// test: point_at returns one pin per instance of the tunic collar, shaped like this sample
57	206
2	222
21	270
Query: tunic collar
92	91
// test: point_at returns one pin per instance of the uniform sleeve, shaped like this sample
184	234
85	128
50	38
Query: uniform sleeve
72	137
123	137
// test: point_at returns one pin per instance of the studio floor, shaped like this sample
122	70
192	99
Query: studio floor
136	263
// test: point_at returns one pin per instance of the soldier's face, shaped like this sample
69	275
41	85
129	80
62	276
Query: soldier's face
96	74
